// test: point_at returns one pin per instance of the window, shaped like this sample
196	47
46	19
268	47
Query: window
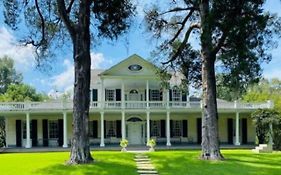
53	129
155	95
176	95
91	129
177	128
135	67
24	129
110	128
155	128
110	95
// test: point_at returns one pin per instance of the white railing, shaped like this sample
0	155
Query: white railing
60	105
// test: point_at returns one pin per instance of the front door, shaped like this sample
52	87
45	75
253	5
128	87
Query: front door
135	133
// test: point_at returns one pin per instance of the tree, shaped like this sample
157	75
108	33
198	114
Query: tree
20	93
236	32
53	21
8	74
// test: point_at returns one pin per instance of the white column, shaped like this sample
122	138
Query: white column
270	141
168	129
147	94
102	129
65	145
102	99
147	127
6	131
123	94
237	140
123	125
28	141
168	98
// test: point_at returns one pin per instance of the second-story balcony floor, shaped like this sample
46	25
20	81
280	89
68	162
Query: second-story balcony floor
188	106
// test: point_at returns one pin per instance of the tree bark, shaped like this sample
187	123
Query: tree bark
210	140
80	148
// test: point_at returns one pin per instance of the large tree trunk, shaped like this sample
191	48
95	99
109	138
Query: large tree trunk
80	148
210	141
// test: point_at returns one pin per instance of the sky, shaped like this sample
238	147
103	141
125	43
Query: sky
104	55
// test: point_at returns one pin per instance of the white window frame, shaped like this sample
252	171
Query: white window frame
155	95
177	128
111	129
176	95
155	128
53	129
110	95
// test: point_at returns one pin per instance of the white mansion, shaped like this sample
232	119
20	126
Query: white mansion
127	101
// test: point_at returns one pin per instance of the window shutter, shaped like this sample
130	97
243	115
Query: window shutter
18	133
118	94
184	128
34	133
95	129
95	95
118	128
104	128
149	95
60	132
170	94
171	128
161	96
183	97
163	128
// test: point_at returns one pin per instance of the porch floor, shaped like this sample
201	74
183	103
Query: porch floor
117	148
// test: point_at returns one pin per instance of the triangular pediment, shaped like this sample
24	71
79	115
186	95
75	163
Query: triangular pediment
132	66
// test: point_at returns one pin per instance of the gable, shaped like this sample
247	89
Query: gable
132	66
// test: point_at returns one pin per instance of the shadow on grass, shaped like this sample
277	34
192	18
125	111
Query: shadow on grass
111	165
185	163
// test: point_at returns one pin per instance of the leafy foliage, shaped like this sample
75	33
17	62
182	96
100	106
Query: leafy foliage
8	74
263	118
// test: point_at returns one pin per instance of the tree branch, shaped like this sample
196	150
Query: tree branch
178	9
65	18
184	42
220	43
42	26
182	27
70	6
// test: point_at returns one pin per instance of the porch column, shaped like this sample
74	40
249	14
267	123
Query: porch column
168	129
168	98
102	99
147	127
28	141
64	130
123	126
6	131
102	129
147	94
237	140
123	94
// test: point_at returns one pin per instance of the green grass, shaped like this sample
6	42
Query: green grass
106	163
238	162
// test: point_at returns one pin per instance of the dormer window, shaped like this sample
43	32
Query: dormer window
135	67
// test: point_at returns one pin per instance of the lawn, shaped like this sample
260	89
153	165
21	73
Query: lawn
238	162
106	163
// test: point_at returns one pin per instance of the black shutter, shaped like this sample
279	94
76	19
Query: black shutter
244	131
184	128
199	130
34	134
230	130
163	128
149	95
171	128
60	132
105	94
95	129
104	128
161	96
95	95
118	128
45	132
18	133
118	94
183	97
170	94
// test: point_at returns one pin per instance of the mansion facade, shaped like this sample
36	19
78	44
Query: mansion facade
127	102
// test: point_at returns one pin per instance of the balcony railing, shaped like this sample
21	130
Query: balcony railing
59	105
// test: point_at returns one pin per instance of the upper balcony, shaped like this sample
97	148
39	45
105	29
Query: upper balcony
126	105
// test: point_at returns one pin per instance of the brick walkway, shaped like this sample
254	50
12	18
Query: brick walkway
144	166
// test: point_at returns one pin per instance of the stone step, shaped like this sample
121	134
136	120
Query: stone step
141	157
141	160
147	172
